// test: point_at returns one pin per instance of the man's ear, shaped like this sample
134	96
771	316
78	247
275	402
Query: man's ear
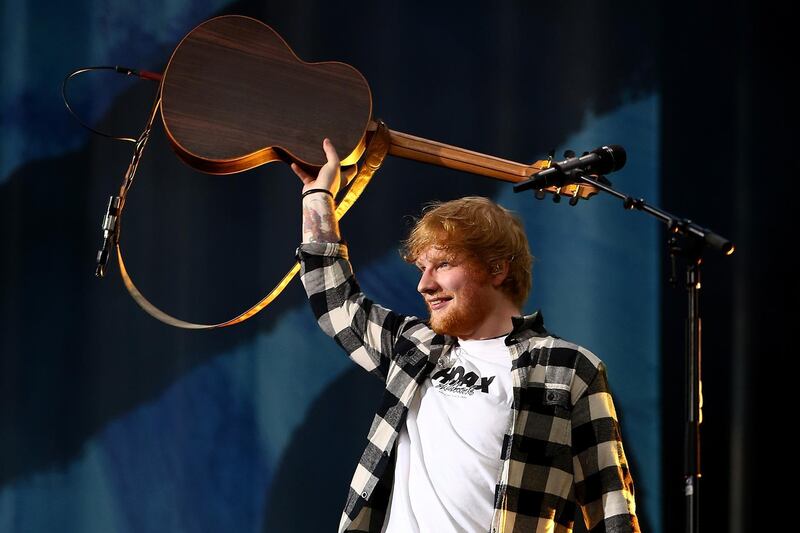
499	272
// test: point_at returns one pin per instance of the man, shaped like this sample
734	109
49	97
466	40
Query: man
488	423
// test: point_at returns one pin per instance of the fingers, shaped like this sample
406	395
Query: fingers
330	152
329	175
304	176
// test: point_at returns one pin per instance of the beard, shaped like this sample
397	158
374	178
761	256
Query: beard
465	312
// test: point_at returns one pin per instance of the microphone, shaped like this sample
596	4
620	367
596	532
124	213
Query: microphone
599	161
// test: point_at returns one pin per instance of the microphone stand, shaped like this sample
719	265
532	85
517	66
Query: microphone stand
695	240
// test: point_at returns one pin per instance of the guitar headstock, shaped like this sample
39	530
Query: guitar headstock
573	191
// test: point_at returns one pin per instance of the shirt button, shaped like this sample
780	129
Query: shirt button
551	396
363	494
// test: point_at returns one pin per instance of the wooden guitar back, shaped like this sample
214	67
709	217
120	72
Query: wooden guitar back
235	96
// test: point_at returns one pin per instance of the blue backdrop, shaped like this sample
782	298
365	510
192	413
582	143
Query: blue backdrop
112	421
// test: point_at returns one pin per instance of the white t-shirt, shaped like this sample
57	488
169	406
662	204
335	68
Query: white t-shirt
448	451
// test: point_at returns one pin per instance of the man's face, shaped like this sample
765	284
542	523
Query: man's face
456	289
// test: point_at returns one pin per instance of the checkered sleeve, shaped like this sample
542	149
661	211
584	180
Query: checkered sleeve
365	330
603	483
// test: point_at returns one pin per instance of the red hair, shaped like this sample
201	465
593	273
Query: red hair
484	230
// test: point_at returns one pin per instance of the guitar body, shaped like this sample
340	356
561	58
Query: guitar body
234	96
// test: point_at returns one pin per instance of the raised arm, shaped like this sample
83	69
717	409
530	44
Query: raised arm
319	222
365	330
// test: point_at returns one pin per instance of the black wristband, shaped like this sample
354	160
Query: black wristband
309	191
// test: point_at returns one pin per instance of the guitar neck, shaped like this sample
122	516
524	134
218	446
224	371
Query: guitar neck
436	153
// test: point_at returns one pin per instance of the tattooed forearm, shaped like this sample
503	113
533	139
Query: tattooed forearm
319	222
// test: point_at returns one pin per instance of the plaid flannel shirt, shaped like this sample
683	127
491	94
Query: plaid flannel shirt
563	448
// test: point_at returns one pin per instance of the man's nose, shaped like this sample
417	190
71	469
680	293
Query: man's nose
427	284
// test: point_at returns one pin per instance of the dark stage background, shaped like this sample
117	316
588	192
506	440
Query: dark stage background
112	421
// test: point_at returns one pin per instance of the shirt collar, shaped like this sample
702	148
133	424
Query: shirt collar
526	327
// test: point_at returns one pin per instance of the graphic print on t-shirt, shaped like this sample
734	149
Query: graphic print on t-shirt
449	450
457	381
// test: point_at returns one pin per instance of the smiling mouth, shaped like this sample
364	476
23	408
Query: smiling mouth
438	303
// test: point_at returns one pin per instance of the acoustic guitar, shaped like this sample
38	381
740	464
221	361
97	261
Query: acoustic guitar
235	96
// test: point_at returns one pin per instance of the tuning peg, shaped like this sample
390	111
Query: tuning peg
573	201
551	154
539	194
557	196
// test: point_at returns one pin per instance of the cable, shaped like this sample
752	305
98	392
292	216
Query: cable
144	74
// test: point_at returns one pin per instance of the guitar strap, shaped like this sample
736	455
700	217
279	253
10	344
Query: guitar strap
376	151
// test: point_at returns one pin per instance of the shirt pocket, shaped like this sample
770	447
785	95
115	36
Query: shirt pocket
544	436
556	403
